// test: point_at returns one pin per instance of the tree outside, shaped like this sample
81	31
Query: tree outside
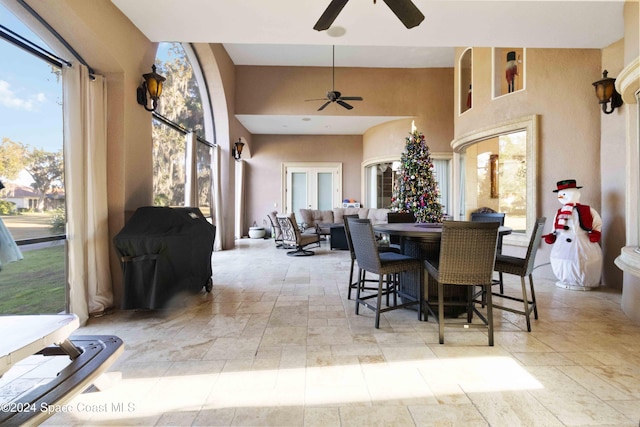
180	103
45	168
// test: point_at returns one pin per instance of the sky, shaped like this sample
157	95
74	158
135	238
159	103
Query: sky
30	95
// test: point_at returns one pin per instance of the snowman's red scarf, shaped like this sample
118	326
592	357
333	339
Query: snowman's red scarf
584	216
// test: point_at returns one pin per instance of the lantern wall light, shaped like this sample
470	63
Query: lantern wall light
606	93
237	149
153	86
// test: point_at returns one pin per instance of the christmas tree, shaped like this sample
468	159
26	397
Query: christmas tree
415	188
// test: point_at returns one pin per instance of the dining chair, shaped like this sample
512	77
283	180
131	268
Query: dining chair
293	238
387	265
352	253
467	258
521	267
396	218
492	217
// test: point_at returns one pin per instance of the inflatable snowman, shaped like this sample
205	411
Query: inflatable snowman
576	257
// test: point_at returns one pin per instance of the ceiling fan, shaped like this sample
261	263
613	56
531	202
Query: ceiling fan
333	95
405	10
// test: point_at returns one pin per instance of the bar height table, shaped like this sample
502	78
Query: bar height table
422	241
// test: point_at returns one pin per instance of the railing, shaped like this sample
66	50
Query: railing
23	242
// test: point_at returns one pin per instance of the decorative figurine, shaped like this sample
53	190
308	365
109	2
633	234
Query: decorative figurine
576	257
511	71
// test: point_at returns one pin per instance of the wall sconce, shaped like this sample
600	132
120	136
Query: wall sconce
606	92
152	84
237	149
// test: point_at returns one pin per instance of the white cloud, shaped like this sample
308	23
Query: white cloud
9	99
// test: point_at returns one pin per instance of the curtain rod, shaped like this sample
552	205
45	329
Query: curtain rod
33	13
31	47
178	127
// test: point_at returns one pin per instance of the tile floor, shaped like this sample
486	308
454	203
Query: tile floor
277	343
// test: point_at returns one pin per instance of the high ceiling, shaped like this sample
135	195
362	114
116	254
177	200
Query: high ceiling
280	32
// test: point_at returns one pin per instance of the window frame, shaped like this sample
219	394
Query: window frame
530	125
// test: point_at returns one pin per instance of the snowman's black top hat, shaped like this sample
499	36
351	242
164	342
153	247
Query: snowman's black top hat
566	183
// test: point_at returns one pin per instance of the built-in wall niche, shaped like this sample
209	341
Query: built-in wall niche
509	70
465	68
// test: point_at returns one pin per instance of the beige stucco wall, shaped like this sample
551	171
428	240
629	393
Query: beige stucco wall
386	91
426	96
220	74
558	88
263	171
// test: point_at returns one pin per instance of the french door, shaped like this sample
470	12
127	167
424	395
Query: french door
311	186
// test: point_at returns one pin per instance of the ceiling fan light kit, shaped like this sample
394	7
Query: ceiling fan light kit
405	10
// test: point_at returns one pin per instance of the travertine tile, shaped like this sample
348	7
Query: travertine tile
447	415
322	417
280	345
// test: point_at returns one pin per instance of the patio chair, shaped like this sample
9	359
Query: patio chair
399	217
386	265
485	216
352	253
275	228
521	267
293	238
467	258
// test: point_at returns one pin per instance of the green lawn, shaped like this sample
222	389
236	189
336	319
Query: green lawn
29	225
34	285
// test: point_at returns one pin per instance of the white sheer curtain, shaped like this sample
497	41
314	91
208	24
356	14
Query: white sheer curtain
191	169
441	169
239	199
217	200
85	157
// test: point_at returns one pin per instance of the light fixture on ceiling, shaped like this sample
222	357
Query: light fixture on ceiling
237	149
336	31
606	92
153	85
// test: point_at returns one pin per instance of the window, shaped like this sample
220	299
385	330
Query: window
32	204
499	181
379	184
496	168
180	110
379	177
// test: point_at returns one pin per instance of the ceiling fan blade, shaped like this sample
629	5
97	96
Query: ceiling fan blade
316	99
406	11
351	98
324	105
330	14
344	104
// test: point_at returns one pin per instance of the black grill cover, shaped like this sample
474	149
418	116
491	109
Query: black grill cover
164	251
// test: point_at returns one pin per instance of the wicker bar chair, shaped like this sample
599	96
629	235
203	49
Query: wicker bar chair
399	217
293	238
352	253
492	217
467	258
521	267
386	265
